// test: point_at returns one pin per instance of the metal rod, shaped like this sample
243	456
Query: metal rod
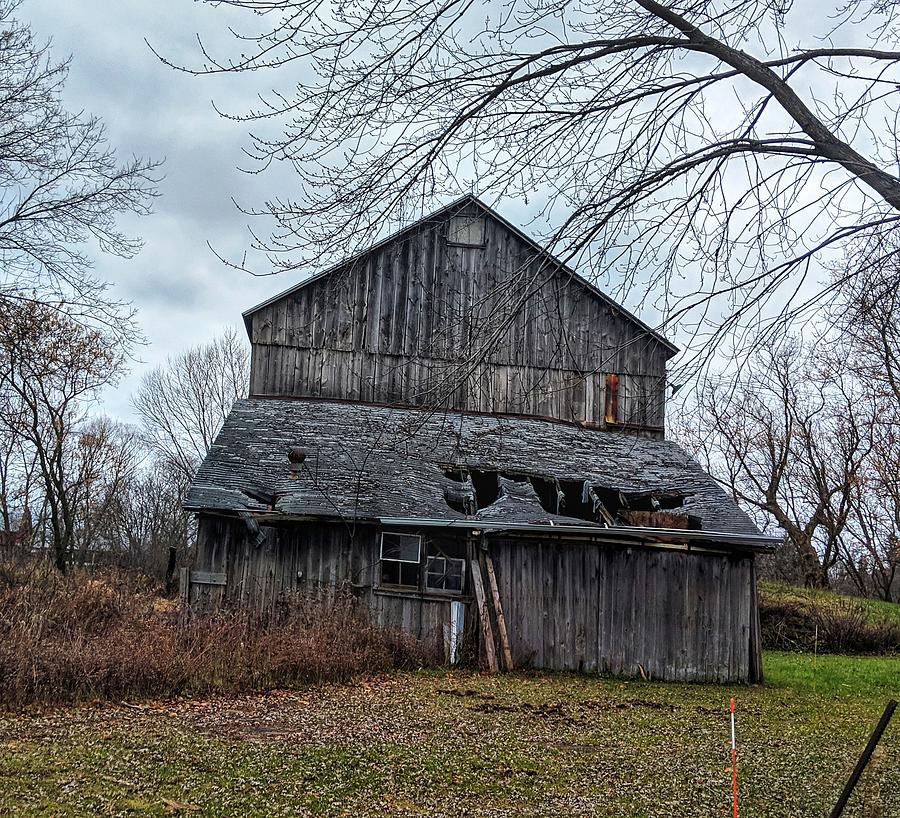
734	789
864	759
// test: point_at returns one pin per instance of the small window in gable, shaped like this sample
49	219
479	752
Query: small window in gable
400	558
466	230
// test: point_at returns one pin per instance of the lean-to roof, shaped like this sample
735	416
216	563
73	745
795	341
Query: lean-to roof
374	462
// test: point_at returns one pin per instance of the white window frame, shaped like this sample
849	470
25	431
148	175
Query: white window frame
422	588
449	591
382	559
417	537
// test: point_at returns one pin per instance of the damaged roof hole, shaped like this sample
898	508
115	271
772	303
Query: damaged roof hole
608	506
475	489
459	494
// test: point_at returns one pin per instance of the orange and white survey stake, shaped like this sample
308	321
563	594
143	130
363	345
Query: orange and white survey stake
733	764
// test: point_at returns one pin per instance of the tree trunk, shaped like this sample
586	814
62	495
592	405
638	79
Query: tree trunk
59	557
815	575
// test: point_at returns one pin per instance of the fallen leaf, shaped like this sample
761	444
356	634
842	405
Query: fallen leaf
173	807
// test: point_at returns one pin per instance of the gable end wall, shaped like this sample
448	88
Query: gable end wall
421	321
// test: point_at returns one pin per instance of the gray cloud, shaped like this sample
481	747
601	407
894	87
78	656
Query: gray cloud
183	294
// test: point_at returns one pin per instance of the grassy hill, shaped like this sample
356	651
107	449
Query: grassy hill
803	619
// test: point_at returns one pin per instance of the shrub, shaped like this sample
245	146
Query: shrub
113	636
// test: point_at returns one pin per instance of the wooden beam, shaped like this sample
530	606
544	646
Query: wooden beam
498	608
208	577
484	616
184	584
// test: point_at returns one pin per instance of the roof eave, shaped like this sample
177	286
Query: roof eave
763	543
756	542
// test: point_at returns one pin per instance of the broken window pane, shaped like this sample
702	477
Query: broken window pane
444	574
405	574
400	558
445	565
402	547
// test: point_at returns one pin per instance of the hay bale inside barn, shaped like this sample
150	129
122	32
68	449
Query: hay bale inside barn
469	438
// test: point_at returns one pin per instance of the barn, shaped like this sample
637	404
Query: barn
469	438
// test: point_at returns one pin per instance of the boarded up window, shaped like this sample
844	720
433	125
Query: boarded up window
467	230
611	403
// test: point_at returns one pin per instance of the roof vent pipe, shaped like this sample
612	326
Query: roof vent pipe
296	455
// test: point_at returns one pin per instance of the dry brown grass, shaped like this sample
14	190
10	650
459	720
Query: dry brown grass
112	636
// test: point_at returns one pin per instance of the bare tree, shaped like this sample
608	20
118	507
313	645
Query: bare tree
51	368
150	523
103	463
788	438
17	466
687	150
60	185
866	318
870	545
183	404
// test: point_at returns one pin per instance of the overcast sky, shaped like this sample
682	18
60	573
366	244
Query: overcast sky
183	294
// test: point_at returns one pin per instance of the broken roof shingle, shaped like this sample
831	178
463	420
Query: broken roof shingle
371	462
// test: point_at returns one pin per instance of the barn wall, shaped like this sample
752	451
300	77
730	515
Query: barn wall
313	559
568	606
680	616
403	322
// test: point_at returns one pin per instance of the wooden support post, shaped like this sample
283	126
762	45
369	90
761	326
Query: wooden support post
498	608
484	616
184	586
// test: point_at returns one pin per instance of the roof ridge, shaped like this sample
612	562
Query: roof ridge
521	234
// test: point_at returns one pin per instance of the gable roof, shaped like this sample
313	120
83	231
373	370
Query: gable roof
468	199
379	463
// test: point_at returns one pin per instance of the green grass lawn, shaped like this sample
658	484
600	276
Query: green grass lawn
453	744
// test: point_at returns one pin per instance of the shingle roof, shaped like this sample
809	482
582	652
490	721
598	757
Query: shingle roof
373	462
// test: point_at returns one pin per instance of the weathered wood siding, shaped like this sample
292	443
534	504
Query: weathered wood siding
568	605
679	616
313	559
495	328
